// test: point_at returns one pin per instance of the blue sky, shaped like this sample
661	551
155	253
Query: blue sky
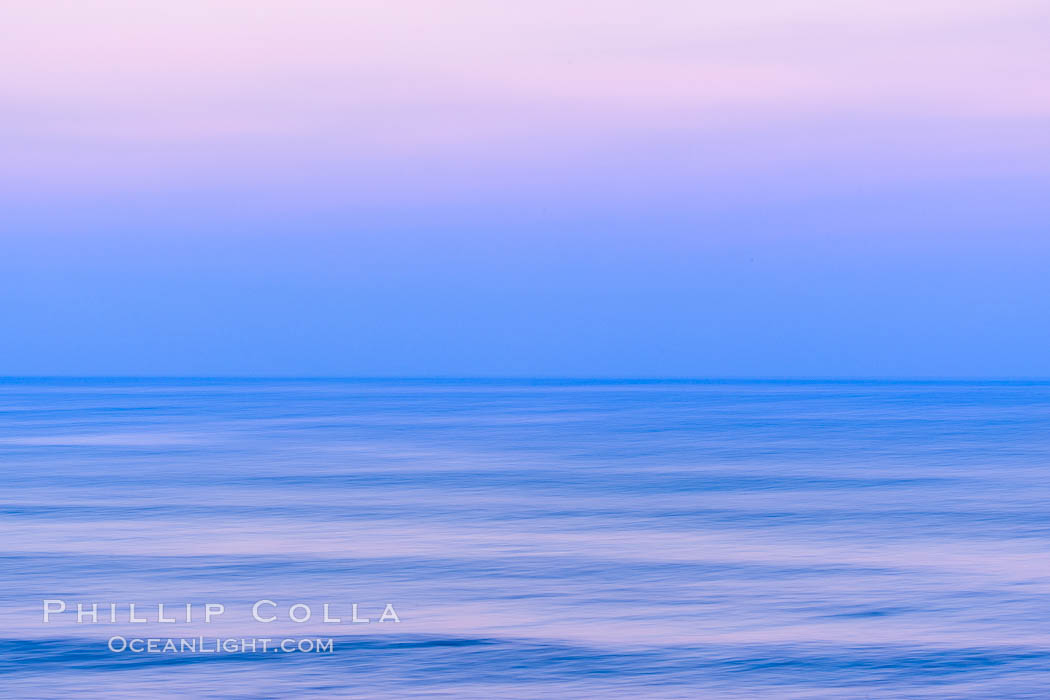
683	189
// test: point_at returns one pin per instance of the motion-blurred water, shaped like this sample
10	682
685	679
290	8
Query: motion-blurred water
538	539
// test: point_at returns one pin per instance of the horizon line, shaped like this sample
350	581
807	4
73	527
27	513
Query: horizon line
532	378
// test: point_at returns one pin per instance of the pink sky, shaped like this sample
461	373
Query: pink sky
443	99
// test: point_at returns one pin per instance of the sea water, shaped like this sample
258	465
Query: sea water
537	539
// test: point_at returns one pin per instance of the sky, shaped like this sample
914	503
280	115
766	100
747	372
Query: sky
674	188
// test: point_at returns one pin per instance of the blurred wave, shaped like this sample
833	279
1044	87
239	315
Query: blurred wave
539	538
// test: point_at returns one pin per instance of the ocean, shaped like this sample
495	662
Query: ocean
534	539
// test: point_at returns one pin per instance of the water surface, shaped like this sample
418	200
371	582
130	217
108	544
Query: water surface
538	538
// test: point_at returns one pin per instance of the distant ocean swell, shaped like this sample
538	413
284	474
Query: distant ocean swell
540	539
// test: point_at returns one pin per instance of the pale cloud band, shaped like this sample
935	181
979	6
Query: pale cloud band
99	93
